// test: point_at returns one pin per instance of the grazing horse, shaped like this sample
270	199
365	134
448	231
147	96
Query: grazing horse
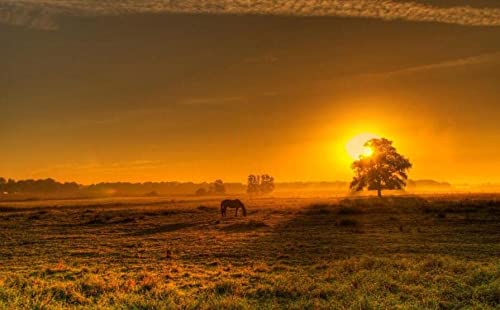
235	204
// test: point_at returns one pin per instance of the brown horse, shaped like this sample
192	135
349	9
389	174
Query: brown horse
235	204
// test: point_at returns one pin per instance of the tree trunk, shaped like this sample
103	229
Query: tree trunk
379	192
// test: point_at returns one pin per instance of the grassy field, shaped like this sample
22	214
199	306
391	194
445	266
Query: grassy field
400	252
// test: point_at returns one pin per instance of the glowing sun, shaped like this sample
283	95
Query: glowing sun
356	146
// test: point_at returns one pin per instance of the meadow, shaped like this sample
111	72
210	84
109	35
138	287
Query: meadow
433	252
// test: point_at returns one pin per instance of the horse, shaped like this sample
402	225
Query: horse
235	204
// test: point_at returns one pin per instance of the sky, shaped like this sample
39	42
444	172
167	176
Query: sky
153	90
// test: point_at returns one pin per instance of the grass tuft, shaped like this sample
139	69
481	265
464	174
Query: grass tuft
347	222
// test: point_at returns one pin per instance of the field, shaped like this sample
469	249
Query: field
155	253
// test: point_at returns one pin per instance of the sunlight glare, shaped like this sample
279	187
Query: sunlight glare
356	146
367	151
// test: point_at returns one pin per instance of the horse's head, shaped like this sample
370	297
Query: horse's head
242	207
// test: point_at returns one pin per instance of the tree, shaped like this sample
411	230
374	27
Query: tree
266	184
384	169
263	184
253	184
218	187
201	192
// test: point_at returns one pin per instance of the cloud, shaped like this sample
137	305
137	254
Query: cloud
31	16
211	101
467	61
43	13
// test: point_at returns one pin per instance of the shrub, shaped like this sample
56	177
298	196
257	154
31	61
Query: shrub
349	211
347	222
224	288
319	209
206	208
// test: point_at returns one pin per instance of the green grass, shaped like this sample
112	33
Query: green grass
398	252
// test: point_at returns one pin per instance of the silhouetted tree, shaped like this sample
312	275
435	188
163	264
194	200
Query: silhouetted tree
266	184
263	184
253	184
2	185
384	169
201	192
218	187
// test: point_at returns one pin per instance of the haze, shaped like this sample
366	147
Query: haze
171	94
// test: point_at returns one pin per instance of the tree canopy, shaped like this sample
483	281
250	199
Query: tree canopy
384	169
260	184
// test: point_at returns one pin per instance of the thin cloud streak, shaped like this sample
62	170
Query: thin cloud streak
43	13
211	101
467	61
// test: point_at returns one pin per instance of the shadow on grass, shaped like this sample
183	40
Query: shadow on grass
164	228
244	227
379	227
276	232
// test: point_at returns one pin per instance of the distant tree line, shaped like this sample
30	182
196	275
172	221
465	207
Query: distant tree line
49	188
215	188
42	187
256	185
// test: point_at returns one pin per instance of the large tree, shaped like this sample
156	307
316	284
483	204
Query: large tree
385	168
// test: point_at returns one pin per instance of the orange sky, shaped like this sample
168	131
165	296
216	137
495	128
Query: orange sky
199	97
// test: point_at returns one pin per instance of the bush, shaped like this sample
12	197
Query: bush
319	209
347	222
224	288
206	208
349	211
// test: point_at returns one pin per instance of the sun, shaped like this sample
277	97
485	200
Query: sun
356	146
